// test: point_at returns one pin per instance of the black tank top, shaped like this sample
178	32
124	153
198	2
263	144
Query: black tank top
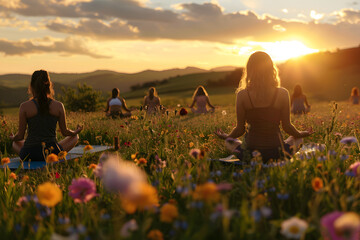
264	131
41	128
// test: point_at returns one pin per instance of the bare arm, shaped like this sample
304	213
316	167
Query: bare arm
193	103
62	124
124	105
145	102
22	125
208	102
239	130
285	118
306	102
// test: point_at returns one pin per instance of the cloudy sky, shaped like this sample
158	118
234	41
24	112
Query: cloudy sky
134	35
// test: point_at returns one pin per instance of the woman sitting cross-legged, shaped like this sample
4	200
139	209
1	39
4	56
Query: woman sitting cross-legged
263	105
201	99
152	102
40	116
115	104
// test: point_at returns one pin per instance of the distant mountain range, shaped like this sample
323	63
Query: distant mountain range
106	80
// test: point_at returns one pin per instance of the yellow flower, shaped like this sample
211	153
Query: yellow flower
155	235
191	144
207	192
52	158
145	198
62	155
133	156
5	161
201	135
12	176
317	184
49	194
76	159
168	213
134	117
92	166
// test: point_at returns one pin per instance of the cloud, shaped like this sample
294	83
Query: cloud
68	46
130	19
349	15
95	28
8	20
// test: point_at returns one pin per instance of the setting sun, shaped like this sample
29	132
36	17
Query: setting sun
283	50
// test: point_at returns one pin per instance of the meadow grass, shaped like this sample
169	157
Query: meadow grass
260	196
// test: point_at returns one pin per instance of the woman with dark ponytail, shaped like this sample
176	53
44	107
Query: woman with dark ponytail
40	116
115	104
152	102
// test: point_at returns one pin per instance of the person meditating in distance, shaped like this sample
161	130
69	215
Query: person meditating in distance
115	104
298	101
40	116
201	99
263	105
152	102
355	98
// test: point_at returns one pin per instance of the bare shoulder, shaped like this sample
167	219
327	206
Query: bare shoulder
26	104
57	103
283	92
241	94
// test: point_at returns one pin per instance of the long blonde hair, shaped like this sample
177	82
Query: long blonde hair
200	91
260	74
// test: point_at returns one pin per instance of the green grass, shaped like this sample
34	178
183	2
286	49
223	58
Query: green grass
170	137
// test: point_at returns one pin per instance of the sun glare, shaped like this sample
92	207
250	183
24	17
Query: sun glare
284	50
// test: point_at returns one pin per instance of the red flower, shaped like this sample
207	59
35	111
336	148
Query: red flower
183	112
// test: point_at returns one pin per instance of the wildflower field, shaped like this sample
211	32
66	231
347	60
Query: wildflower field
160	184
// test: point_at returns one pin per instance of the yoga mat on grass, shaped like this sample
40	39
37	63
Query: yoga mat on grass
76	152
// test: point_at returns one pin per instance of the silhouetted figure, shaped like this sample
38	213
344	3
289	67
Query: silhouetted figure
299	103
115	104
355	98
152	102
262	105
201	99
40	116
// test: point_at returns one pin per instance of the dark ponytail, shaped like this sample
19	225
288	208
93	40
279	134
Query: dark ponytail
115	93
152	93
41	87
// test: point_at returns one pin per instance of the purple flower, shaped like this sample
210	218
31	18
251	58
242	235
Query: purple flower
327	224
82	190
348	140
354	169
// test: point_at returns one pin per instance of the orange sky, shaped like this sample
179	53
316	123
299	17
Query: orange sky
130	35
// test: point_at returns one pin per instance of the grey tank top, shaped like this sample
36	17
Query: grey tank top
41	128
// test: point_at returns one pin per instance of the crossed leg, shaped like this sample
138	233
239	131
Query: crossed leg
69	142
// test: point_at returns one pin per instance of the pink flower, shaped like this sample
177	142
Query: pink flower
354	170
327	222
82	190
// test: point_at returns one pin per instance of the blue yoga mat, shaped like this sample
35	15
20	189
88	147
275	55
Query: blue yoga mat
76	152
